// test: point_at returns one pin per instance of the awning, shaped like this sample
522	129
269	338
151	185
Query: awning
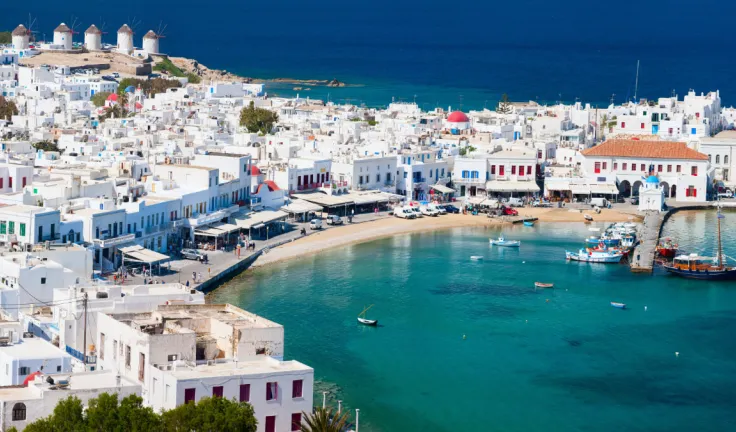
604	188
325	200
262	217
558	186
442	189
209	231
227	228
140	254
511	186
301	206
475	199
368	197
580	189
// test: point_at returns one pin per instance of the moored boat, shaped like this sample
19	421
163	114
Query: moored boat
476	257
543	285
618	305
667	248
593	256
501	241
365	321
528	223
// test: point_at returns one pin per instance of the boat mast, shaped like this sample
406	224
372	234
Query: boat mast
720	250
636	85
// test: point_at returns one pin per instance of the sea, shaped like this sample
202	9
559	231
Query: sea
468	345
463	55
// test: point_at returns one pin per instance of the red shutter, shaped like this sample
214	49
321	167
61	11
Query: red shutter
623	124
271	424
296	422
296	388
695	192
615	166
513	169
493	169
605	165
189	395
244	392
597	167
501	169
217	391
694	170
529	170
642	125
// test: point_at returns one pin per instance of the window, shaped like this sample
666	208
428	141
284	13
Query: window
615	166
378	178
3	227
217	391
10	182
659	168
19	411
189	395
114	349
669	168
529	170
22	229
127	356
643	167
141	366
710	157
58	368
623	166
642	125
493	170
270	423
597	167
623	125
296	388
11	227
296	422
501	169
102	346
272	390
513	169
718	159
691	192
605	165
694	170
725	160
244	392
679	168
24	370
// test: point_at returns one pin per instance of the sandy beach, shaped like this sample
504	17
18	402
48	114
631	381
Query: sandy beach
382	228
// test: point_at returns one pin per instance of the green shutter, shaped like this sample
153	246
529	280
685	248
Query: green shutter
3	227
12	227
22	229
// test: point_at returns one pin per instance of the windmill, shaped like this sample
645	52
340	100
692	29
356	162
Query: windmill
75	23
31	25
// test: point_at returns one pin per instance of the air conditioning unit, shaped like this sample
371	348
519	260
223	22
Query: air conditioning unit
210	362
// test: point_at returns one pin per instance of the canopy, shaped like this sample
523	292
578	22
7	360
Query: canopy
301	206
511	186
325	200
442	189
558	186
604	188
262	217
140	254
580	189
226	228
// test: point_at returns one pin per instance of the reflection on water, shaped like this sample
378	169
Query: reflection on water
696	231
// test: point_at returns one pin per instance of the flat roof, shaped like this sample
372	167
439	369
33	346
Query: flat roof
230	155
31	349
28	209
265	366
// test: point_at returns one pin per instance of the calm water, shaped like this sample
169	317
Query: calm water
445	53
557	360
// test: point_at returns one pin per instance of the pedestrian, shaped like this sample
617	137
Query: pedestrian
238	250
145	281
200	277
187	283
209	272
194	276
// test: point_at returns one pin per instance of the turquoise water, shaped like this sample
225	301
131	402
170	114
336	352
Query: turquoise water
554	360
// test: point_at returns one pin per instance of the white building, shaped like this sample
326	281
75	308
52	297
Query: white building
721	150
125	40
21	38
150	42
21	358
651	196
93	38
62	37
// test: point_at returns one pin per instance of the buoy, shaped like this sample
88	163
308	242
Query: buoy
527	321
523	262
677	354
645	308
464	337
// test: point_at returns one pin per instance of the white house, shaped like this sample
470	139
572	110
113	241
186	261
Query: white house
23	357
721	150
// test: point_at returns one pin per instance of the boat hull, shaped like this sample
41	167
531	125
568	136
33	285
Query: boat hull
368	322
542	285
529	224
667	253
618	305
511	243
593	258
703	275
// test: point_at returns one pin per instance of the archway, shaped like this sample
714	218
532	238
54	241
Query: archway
673	193
635	189
19	411
666	188
624	189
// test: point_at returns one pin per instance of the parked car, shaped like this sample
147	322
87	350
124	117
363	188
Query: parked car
115	75
440	209
401	212
451	209
192	254
414	210
334	220
315	224
600	202
508	211
515	202
427	211
541	203
725	195
634	200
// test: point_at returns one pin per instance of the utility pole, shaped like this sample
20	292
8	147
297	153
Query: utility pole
84	347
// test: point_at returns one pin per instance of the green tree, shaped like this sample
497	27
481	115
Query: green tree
257	119
116	111
5	37
7	108
504	106
324	420
46	146
209	415
99	98
68	416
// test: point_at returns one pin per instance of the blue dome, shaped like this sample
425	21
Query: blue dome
130	89
652	179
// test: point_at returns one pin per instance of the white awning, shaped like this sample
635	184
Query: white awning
603	188
558	186
227	228
209	231
442	189
580	189
325	200
511	186
262	217
300	206
140	254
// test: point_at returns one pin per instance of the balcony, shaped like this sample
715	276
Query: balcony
115	241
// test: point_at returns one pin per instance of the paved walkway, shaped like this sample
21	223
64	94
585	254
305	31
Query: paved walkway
643	258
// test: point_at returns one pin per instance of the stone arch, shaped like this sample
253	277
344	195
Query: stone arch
673	191
624	188
635	188
666	187
19	411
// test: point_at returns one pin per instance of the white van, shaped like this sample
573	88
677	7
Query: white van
600	202
315	224
515	202
402	213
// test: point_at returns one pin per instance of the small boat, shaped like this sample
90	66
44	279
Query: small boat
667	248
593	256
476	257
501	241
528	223
543	285
588	217
365	321
618	305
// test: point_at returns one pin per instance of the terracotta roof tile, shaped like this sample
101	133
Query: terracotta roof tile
645	149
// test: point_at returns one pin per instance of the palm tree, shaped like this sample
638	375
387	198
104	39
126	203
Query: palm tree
324	420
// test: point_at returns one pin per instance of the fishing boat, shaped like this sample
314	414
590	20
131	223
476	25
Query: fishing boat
476	257
528	223
667	248
501	241
694	266
606	256
618	305
365	321
543	285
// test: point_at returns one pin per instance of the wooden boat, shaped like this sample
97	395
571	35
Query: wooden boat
476	257
698	267
543	285
592	256
618	305
528	223
588	217
501	241
365	321
667	248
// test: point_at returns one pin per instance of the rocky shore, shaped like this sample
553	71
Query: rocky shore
193	66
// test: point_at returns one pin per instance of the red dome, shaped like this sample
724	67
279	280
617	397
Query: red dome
458	117
30	378
113	97
254	171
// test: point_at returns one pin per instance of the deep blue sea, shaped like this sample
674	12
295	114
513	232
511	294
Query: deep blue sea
472	346
439	53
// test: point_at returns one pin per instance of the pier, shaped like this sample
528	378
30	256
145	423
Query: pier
642	258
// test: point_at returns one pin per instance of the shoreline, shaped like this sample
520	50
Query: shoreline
348	235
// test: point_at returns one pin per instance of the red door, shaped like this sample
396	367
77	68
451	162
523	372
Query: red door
271	424
501	169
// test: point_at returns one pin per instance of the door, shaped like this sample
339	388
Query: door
40	234
271	424
189	395
501	169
